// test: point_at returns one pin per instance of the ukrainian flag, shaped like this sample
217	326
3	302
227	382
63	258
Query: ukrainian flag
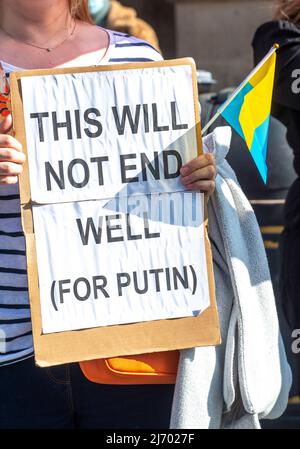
248	110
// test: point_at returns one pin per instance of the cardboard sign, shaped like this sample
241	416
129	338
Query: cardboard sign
117	251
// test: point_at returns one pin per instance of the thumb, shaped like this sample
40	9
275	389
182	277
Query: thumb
6	124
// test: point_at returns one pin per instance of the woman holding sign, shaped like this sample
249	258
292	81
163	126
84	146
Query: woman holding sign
48	34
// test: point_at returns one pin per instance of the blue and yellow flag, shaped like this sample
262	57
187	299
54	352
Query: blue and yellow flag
248	110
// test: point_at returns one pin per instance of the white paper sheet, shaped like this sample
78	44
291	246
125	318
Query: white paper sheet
118	238
83	277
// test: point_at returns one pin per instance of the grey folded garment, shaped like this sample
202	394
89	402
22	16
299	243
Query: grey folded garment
247	377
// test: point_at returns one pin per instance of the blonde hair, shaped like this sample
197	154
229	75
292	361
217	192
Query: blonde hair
289	10
79	10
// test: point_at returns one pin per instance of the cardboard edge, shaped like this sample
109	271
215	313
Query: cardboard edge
85	344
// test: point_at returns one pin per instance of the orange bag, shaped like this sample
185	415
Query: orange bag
155	368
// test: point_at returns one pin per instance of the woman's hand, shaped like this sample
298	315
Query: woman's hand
11	156
199	174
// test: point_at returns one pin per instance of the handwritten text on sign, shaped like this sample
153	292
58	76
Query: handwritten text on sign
118	239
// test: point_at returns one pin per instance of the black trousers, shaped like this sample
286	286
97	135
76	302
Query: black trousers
62	398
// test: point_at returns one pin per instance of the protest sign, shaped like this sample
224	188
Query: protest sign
117	250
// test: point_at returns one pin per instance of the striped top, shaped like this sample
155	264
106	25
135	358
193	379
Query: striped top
15	324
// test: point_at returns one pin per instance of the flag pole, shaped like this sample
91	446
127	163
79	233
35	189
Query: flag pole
239	88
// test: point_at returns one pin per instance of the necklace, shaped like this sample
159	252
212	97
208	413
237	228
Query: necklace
38	46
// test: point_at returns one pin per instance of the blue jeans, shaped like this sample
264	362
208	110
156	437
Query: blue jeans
62	398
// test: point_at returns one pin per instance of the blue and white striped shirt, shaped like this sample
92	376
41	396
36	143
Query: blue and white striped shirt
15	324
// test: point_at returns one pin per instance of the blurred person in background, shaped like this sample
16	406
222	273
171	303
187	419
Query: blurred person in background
285	30
113	15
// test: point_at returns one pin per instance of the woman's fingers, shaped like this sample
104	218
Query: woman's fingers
197	163
206	173
199	174
202	186
11	159
11	156
10	169
8	179
7	141
6	124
